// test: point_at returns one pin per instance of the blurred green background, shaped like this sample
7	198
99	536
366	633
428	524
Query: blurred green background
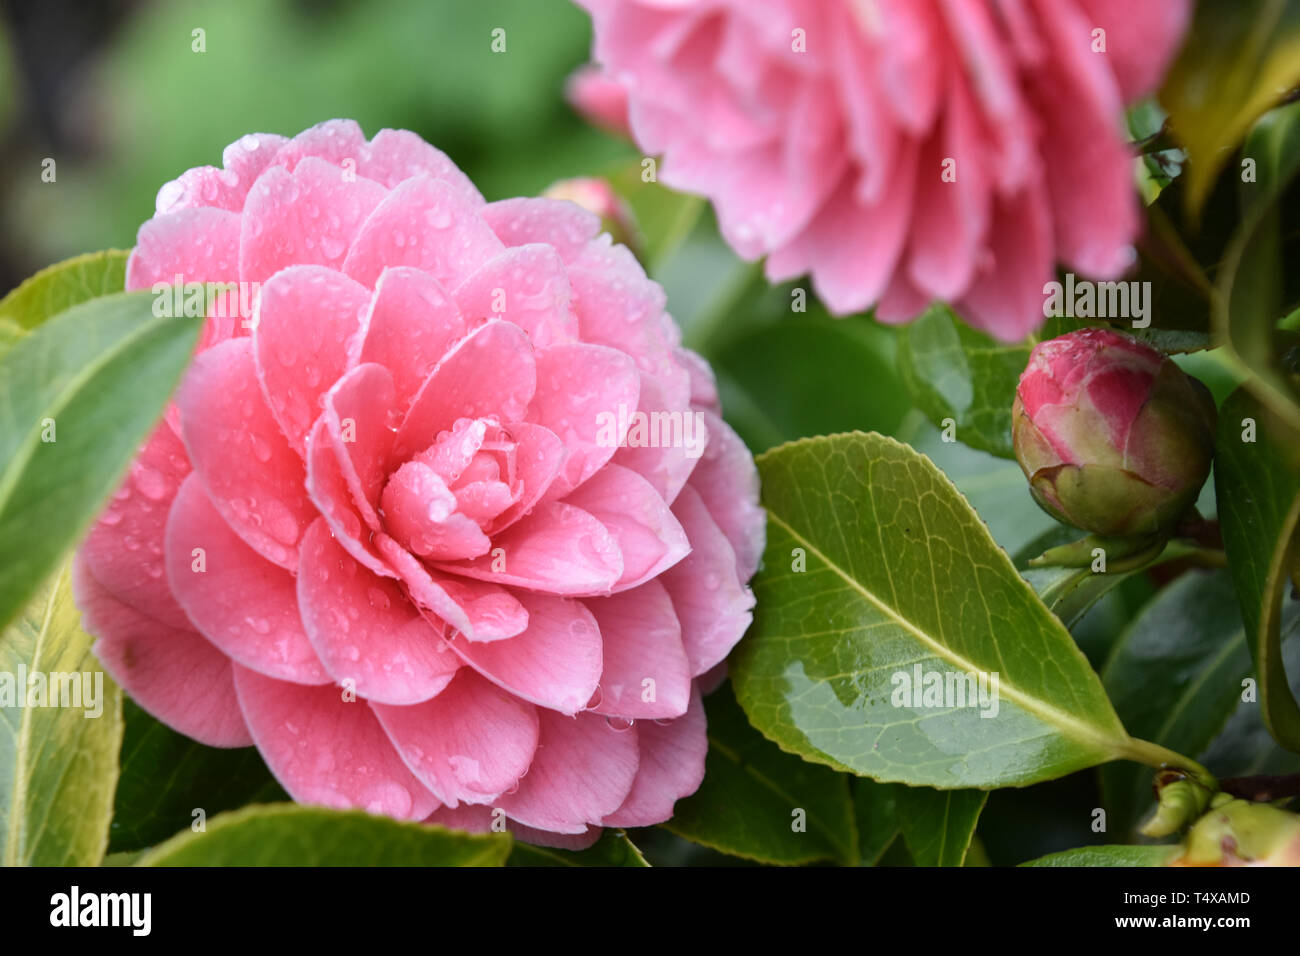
114	93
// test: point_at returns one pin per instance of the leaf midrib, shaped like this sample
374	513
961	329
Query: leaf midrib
1032	705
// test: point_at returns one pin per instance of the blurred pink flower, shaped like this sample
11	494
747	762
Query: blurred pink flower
401	534
601	100
900	150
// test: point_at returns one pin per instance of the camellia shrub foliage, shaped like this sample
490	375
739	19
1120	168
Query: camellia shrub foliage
879	446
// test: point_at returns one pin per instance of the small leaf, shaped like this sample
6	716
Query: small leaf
77	398
1259	510
612	849
58	764
1174	678
759	803
1072	592
1109	856
293	835
939	825
59	287
1237	61
955	372
166	776
902	574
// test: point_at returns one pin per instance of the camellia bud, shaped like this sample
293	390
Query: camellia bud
598	196
1240	833
1113	436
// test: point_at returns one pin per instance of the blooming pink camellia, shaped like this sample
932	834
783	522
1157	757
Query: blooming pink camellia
397	531
901	151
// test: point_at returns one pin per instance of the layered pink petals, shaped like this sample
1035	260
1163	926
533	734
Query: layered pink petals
240	601
328	750
584	769
889	148
470	743
405	531
364	630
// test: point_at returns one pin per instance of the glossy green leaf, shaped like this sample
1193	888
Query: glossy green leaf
293	835
58	764
1174	678
939	825
1252	295
1259	511
957	373
762	804
612	849
1109	856
1237	61
166	776
59	287
902	574
95	379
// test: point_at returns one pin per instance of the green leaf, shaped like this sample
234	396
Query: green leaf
58	764
751	800
1237	61
10	333
994	487
1259	510
901	573
1245	747
166	776
59	287
293	835
95	379
955	372
938	825
875	809
1109	856
612	849
1174	678
1252	295
807	374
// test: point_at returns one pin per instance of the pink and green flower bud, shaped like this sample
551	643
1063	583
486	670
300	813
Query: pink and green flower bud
1113	436
1239	833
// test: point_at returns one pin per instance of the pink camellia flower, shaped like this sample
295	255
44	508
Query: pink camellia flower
900	150
1113	436
410	533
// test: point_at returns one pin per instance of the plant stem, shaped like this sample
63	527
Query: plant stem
1154	755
